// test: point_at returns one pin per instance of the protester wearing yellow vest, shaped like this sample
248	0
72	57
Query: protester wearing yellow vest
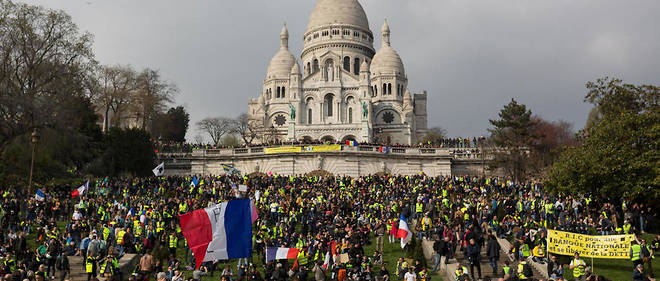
539	254
524	250
627	227
461	273
173	242
419	208
90	267
579	267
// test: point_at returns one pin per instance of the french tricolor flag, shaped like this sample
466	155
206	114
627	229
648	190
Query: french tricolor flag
274	253
403	232
219	232
80	190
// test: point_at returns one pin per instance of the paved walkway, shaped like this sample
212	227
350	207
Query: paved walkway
540	269
448	270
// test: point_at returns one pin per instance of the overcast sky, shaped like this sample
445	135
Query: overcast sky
471	57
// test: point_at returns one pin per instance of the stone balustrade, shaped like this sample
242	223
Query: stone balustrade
340	160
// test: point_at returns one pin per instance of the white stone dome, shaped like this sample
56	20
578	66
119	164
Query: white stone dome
386	60
345	12
280	65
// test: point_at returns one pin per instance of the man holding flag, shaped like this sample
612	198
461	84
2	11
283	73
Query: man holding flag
403	232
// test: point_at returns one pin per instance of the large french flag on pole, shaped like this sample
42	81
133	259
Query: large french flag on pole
219	232
403	232
274	253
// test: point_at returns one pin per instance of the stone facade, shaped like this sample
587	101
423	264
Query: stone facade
345	90
350	161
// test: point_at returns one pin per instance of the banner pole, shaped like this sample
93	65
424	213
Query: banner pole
592	266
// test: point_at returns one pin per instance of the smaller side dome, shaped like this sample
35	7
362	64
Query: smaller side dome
281	64
386	60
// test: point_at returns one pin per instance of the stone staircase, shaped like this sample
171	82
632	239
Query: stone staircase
486	270
126	265
540	270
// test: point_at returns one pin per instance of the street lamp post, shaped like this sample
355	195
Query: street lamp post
34	138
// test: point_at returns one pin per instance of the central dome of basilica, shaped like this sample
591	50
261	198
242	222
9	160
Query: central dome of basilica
344	12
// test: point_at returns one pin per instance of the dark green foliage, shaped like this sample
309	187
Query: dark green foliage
514	132
126	151
61	151
173	125
618	156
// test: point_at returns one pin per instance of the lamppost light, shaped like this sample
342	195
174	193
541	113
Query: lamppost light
35	135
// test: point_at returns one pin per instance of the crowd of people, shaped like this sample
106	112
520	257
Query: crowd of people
322	216
460	143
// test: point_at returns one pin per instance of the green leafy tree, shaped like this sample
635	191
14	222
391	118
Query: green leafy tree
172	125
618	155
513	134
127	151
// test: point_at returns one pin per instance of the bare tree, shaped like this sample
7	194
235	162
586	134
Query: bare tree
245	127
43	59
112	89
435	134
199	139
151	97
216	127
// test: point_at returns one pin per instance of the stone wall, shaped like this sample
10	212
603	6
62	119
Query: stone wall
350	161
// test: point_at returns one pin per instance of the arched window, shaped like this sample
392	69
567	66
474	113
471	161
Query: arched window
384	89
278	92
350	115
283	93
328	101
309	70
389	89
356	66
316	65
309	116
375	90
347	64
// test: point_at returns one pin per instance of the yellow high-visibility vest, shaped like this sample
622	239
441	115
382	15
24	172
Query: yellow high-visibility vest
579	269
120	237
89	265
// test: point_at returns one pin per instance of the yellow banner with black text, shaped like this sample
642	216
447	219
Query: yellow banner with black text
590	246
322	148
298	149
282	149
